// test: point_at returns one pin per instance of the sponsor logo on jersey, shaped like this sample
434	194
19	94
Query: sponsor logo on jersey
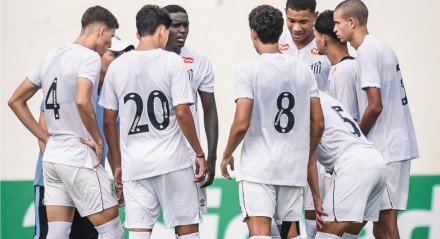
314	51
284	47
188	60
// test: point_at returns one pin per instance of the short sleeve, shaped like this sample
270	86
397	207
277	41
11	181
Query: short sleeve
181	92
90	67
369	62
108	97
35	75
207	84
314	91
243	84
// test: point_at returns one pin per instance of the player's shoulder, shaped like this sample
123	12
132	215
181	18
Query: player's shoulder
193	56
347	65
249	67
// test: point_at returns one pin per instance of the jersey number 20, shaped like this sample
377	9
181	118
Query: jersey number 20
135	127
285	111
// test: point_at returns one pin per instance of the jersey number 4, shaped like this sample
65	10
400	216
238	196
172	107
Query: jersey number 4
52	96
135	127
287	111
402	90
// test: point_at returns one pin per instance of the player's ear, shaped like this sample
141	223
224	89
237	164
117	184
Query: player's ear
101	31
138	36
352	22
254	35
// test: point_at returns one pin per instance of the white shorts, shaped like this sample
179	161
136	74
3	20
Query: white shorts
282	203
175	193
324	180
395	195
356	192
89	190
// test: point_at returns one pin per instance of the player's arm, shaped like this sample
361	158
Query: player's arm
239	129
88	115
316	131
18	104
42	123
373	110
211	130
186	123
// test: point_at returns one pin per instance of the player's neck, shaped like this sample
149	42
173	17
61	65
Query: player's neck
268	48
359	37
301	44
147	43
86	41
176	50
336	52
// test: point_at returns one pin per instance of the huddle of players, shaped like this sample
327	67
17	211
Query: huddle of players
282	115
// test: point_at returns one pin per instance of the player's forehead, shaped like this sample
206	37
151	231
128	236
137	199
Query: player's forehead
179	17
299	15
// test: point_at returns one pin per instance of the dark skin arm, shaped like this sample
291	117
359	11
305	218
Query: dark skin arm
186	122
238	131
211	130
316	131
114	159
373	110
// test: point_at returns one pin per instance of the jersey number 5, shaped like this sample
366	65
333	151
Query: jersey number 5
135	127
338	111
52	95
285	111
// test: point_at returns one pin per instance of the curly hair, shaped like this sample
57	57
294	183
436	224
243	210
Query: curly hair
267	22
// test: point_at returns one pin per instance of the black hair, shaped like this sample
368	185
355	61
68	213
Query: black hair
325	24
301	5
149	18
354	9
99	14
267	22
175	9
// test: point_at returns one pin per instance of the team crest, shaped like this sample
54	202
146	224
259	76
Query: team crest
188	60
284	47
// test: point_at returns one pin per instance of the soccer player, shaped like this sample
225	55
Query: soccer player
342	80
298	39
147	87
82	228
278	115
69	77
200	74
385	117
359	174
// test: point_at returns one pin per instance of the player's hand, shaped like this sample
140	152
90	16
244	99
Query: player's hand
117	174
211	172
98	149
227	160
319	212
201	169
43	144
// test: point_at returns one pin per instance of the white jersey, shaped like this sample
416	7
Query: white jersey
145	86
393	133
200	75
319	64
276	147
341	132
342	85
58	75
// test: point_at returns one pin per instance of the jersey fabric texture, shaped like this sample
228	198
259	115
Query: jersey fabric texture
276	146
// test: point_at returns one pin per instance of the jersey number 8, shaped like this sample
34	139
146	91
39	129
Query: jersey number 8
285	111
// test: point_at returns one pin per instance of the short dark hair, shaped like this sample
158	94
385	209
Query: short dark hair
354	9
301	5
175	9
99	14
149	18
268	22
325	24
